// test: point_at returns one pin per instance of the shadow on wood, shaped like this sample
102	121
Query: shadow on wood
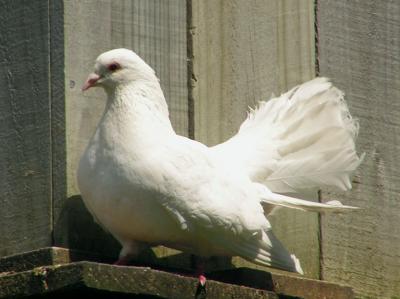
76	229
52	271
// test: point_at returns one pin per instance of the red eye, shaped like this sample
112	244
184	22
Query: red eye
113	67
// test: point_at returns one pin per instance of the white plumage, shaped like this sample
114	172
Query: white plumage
148	186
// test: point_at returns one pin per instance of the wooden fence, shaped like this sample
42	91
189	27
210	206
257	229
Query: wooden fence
214	59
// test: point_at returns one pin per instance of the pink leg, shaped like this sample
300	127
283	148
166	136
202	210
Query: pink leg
200	267
202	280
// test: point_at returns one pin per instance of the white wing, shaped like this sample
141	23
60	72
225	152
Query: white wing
303	139
219	209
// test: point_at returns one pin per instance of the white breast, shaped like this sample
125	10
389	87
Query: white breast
121	199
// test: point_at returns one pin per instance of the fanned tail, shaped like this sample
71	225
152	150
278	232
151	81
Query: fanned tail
302	140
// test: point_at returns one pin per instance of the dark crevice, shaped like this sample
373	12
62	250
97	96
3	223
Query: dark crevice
317	73
316	38
320	240
57	112
190	74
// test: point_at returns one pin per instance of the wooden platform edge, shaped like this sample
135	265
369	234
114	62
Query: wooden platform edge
53	269
86	276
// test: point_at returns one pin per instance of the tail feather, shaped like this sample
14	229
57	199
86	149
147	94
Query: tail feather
270	200
302	140
279	257
302	171
266	251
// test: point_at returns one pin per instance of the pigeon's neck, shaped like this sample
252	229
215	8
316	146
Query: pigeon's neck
135	111
137	95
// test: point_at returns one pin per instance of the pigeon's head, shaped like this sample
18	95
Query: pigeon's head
116	67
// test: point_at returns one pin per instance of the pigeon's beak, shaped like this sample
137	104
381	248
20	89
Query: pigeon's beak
90	81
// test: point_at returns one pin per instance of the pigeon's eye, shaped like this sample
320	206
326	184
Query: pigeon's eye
113	67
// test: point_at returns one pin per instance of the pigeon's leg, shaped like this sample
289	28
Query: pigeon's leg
202	277
202	280
199	264
130	250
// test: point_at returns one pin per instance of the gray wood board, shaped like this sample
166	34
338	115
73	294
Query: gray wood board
359	47
57	96
243	51
94	280
25	173
154	29
52	258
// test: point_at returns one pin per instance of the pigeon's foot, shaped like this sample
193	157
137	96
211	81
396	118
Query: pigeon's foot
202	280
201	291
199	264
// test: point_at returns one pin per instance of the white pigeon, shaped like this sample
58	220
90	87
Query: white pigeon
149	186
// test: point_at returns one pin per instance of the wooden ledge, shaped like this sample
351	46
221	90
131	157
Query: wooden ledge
108	281
60	273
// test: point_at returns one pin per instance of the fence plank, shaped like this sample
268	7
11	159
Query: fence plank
156	30
244	51
359	48
25	173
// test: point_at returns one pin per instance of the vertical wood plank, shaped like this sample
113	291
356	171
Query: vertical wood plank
25	138
359	48
57	101
156	30
243	52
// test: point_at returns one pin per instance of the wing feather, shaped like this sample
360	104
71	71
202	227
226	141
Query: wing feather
224	214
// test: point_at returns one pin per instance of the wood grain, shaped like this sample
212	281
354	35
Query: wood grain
359	48
58	124
95	280
54	258
243	51
154	29
25	137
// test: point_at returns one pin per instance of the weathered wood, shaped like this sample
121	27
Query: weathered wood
359	48
90	278
25	134
57	96
287	286
243	51
44	257
156	30
292	285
